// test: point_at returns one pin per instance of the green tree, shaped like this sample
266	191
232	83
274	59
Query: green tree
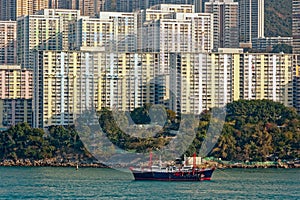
282	48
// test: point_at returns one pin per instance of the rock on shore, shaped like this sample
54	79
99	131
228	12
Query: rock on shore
49	163
253	166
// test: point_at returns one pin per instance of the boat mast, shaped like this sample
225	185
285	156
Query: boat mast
160	164
194	160
150	159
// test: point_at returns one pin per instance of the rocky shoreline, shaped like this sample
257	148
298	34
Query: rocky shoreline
48	163
67	163
283	165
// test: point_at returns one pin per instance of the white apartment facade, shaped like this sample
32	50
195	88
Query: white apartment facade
92	33
71	82
37	32
204	81
124	30
8	42
225	23
47	30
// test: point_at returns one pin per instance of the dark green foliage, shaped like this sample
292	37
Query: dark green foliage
200	133
282	48
65	141
141	115
255	130
22	141
255	111
258	130
140	140
278	18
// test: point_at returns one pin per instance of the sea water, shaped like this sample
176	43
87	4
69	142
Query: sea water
97	183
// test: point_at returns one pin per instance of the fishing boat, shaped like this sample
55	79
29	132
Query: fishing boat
172	173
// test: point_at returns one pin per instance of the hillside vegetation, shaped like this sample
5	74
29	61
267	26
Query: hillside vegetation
23	142
259	130
256	130
278	18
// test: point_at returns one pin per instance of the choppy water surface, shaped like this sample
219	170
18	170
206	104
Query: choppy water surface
94	183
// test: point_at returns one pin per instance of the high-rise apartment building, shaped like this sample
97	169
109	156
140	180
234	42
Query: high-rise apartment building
124	30
225	23
8	10
200	5
173	28
38	5
251	20
296	89
177	8
62	4
55	91
128	80
37	32
200	81
130	5
12	9
162	11
77	81
176	28
203	81
71	82
16	86
8	42
92	33
186	32
16	83
268	76
90	7
134	5
47	30
68	17
296	26
86	7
